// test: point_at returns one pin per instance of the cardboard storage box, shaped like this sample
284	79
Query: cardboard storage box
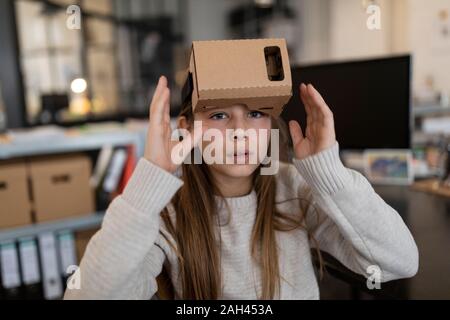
252	72
15	209
60	187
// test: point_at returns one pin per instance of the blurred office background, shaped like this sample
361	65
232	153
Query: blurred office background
74	103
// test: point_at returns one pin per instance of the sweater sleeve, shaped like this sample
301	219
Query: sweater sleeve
352	222
123	259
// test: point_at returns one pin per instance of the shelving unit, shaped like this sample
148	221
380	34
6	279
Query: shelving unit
66	143
430	110
33	230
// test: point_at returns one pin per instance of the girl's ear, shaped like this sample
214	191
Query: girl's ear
183	123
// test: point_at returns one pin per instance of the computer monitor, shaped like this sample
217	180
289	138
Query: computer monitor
370	100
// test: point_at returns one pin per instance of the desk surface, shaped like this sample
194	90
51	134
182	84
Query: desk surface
428	218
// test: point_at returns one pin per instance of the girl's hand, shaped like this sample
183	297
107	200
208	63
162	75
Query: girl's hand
159	144
320	134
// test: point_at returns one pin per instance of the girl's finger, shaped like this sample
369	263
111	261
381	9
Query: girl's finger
162	83
166	111
319	103
309	101
296	132
157	114
303	97
305	101
312	103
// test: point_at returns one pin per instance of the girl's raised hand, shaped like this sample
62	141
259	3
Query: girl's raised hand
320	134
159	144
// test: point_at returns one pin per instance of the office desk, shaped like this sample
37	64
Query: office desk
428	218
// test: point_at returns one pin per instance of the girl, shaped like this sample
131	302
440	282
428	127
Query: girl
224	231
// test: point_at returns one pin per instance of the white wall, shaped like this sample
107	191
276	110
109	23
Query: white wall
349	35
337	30
207	19
407	26
313	34
431	53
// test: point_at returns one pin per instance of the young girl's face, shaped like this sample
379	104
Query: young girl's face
242	149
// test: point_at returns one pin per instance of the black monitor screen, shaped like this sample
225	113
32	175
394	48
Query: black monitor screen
370	101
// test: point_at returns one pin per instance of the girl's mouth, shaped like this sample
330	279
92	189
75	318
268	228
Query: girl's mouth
241	157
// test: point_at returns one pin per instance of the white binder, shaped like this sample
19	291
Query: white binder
50	268
9	266
29	261
115	170
67	251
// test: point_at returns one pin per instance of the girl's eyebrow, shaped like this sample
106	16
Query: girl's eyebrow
216	111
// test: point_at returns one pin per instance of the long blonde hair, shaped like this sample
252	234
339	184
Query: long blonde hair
196	220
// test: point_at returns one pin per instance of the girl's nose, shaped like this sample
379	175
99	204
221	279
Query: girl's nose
239	121
239	134
239	128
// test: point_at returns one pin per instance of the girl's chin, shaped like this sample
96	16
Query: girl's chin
238	170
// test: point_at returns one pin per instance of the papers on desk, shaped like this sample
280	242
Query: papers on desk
436	125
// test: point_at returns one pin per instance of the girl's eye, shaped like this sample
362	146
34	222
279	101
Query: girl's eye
255	114
218	116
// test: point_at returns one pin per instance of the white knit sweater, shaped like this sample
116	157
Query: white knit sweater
357	227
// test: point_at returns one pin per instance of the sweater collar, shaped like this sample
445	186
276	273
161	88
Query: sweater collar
242	202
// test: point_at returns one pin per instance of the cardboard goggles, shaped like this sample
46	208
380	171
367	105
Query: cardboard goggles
251	72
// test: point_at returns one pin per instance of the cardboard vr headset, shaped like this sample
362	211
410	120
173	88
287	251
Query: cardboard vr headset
251	72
